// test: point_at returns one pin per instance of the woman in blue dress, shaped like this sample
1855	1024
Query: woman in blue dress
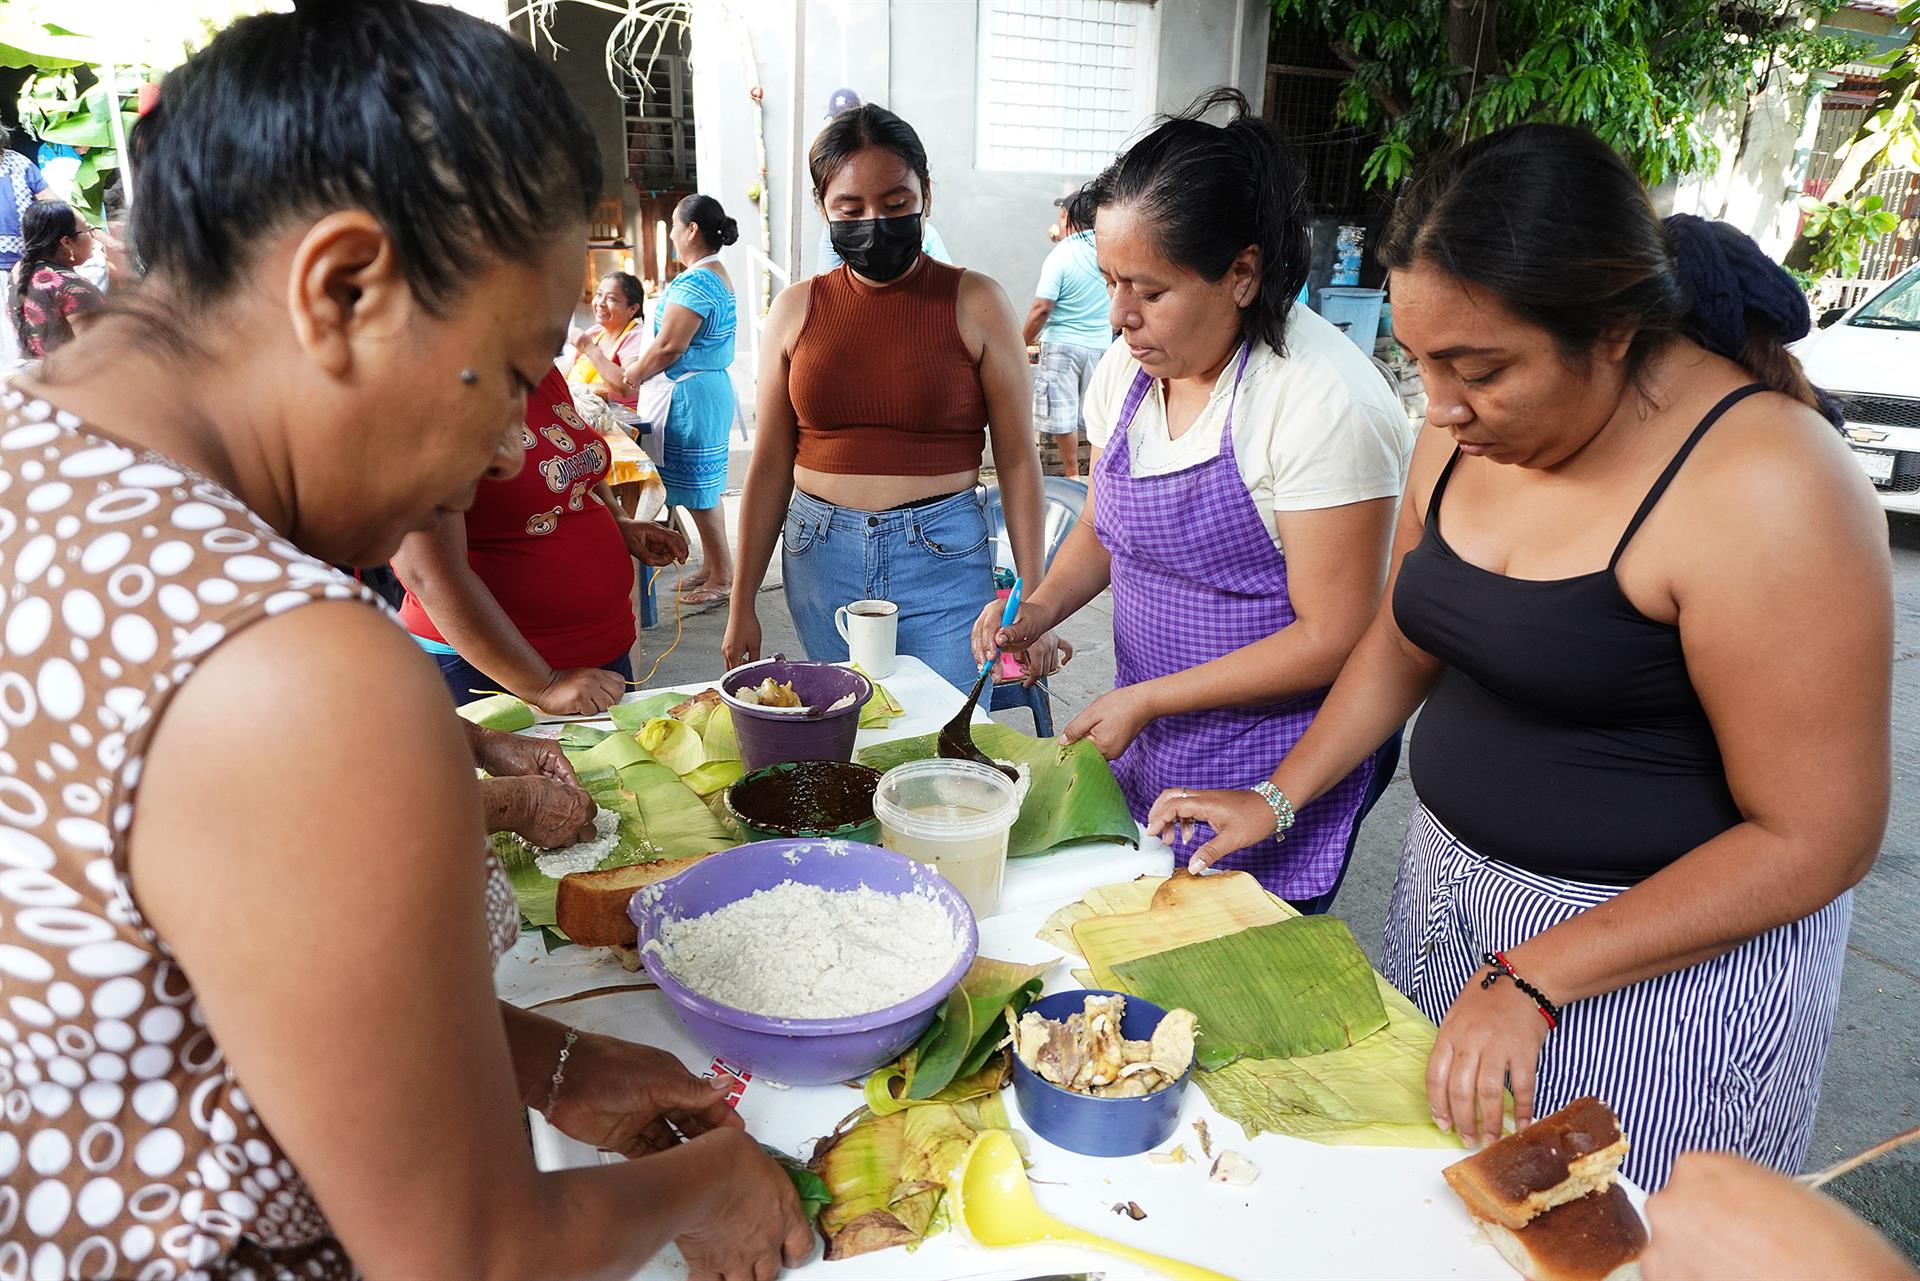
693	328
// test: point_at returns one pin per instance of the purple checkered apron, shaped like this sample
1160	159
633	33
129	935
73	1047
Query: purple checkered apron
1196	576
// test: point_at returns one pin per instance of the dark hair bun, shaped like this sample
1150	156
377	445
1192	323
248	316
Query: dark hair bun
729	231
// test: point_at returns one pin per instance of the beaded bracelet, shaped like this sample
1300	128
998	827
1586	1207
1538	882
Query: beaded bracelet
559	1074
1282	808
1502	968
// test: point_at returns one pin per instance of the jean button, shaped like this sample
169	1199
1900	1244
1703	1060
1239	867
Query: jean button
872	521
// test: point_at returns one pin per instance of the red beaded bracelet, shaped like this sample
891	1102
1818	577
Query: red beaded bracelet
1502	968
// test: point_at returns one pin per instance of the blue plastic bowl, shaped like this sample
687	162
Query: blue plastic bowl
799	1051
1094	1126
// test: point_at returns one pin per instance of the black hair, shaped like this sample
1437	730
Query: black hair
629	285
853	131
1209	191
1553	223
442	126
705	214
1081	206
43	225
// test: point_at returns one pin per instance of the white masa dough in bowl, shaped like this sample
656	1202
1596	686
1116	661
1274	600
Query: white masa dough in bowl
802	952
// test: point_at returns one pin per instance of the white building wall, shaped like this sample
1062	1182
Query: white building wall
1757	194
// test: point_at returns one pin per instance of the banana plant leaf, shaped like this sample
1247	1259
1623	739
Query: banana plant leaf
882	709
1369	1094
712	777
660	817
1270	992
718	736
578	738
672	744
632	716
1074	796
498	711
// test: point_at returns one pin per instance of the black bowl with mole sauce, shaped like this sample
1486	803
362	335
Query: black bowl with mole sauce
829	799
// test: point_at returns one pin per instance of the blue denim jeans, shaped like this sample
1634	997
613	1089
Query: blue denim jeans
932	561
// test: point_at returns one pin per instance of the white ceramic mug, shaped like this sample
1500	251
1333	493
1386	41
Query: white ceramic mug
870	627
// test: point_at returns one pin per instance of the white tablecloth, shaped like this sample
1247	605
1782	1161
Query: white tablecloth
1315	1211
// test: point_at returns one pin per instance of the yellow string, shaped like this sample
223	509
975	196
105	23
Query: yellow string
679	626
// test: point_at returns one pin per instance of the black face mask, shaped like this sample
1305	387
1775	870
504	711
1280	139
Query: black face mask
878	248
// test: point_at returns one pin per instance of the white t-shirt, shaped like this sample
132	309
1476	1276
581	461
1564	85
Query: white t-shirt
1316	428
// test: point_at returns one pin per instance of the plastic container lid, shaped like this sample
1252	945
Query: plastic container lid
946	782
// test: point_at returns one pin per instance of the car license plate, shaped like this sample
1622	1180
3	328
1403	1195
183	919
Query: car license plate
1877	463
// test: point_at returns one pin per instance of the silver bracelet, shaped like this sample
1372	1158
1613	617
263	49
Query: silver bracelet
559	1075
1282	808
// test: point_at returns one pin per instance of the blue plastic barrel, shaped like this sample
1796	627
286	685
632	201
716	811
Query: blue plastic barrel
1358	309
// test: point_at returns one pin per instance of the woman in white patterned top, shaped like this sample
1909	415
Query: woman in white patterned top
245	957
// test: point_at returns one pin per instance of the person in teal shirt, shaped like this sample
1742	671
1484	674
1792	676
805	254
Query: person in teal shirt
1068	317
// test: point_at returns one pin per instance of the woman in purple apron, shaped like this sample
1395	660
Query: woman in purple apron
1249	459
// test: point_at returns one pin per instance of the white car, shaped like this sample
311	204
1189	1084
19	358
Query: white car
1869	360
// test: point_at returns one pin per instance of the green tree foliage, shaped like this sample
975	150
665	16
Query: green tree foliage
1839	233
1636	72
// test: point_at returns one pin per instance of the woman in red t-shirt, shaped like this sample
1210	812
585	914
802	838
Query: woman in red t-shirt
530	590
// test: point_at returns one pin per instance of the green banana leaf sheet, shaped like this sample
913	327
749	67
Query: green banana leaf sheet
1297	987
1074	796
660	818
1372	1094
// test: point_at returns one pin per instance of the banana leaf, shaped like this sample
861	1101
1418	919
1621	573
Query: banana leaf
578	738
718	736
672	744
1372	1094
972	1024
660	817
631	716
1074	796
887	1175
882	709
498	711
812	1189
713	777
1270	992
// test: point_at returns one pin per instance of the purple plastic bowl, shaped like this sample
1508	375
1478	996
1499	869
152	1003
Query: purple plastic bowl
773	738
799	1051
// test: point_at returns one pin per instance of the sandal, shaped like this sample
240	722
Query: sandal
705	595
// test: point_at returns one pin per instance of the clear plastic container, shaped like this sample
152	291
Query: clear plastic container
955	815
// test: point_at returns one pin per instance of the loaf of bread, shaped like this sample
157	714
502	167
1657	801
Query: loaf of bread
1596	1238
1556	1160
591	907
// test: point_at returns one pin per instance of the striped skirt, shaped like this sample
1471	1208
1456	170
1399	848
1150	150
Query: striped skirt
1724	1055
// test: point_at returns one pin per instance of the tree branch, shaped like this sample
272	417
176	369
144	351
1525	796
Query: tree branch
1389	102
1473	43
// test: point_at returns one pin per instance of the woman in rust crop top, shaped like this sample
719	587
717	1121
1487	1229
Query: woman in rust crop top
879	384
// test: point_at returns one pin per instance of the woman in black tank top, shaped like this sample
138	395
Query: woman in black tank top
1644	594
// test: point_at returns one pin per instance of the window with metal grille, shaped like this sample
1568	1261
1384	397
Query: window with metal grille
658	112
1063	83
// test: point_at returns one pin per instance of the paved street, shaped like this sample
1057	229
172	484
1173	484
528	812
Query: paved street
1872	1087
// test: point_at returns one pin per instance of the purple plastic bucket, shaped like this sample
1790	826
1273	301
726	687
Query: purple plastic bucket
798	1051
769	737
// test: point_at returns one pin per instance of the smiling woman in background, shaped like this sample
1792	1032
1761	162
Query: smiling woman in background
880	383
607	354
240	820
1644	594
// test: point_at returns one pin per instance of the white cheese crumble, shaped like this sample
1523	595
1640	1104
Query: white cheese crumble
801	952
585	856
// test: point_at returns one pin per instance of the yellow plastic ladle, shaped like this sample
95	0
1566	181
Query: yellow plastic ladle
997	1206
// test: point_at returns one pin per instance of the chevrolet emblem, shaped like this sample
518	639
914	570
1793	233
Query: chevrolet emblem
1865	435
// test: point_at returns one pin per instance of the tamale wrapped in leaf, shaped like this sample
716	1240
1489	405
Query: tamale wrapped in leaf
499	711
